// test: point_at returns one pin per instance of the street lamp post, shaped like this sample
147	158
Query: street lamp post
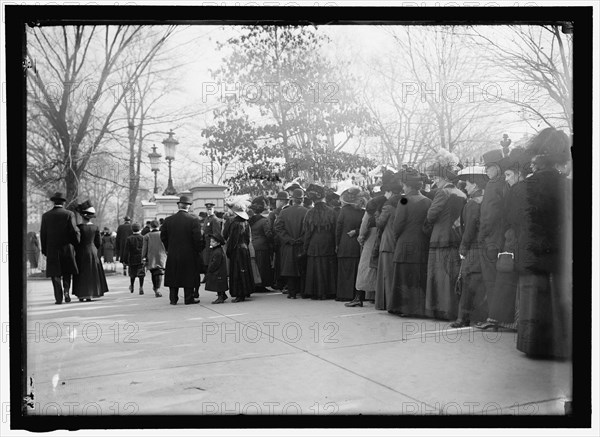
154	165
170	148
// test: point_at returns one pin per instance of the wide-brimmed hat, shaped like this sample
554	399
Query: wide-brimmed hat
293	185
350	196
239	211
475	174
58	196
551	146
127	218
185	199
315	192
283	195
298	193
492	157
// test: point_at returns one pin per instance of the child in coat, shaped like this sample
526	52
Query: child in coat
216	271
132	257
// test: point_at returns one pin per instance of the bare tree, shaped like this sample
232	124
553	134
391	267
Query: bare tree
69	94
538	58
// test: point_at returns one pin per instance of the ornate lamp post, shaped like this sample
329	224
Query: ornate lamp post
505	142
154	164
170	148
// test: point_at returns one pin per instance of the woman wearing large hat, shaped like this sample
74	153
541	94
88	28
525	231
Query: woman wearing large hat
544	254
391	188
237	234
319	246
411	249
472	305
262	242
91	280
443	263
348	248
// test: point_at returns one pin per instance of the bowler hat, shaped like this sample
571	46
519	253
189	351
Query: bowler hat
298	194
58	196
283	195
492	157
127	218
185	199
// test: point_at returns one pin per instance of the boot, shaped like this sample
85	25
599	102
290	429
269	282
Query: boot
358	300
141	290
157	293
67	297
131	288
221	297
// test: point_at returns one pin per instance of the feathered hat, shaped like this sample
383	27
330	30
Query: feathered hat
445	165
239	205
550	146
86	209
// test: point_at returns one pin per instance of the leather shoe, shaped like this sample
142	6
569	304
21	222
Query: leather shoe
460	324
67	298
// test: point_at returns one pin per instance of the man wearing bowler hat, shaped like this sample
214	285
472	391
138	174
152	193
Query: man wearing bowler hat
59	234
182	237
123	232
281	202
289	227
491	235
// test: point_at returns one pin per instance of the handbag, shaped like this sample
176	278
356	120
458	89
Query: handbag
505	262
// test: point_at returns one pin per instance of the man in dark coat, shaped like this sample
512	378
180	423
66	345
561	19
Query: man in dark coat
281	200
59	234
123	232
289	228
182	237
491	229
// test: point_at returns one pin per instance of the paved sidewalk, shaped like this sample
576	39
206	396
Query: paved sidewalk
131	354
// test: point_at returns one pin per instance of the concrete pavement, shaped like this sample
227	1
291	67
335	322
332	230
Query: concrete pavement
131	354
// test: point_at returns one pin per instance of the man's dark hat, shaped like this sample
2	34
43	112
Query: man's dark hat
298	194
127	218
410	175
315	192
209	205
283	195
185	199
58	196
492	157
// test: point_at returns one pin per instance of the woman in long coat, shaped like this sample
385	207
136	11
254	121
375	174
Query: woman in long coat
544	257
472	305
348	249
237	233
385	265
367	275
412	246
319	246
262	238
91	281
503	304
443	264
107	247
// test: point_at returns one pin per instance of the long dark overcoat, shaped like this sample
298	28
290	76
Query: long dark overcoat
216	271
123	232
59	235
289	228
182	238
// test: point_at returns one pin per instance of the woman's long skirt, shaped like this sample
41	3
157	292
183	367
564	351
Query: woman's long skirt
443	267
366	277
385	280
473	305
408	289
545	316
91	280
321	277
263	262
502	304
347	269
241	281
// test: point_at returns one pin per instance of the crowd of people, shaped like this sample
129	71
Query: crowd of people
486	245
